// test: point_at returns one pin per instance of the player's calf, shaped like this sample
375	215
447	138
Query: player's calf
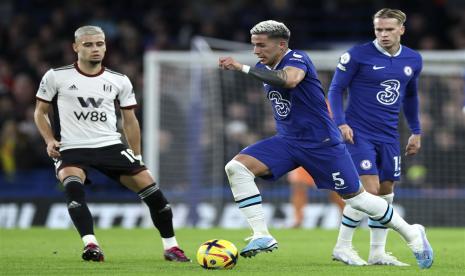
77	207
160	210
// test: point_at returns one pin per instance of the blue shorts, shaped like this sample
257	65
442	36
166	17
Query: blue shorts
331	167
376	158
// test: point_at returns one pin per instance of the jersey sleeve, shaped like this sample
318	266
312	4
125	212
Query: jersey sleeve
345	71
47	88
297	60
126	96
410	103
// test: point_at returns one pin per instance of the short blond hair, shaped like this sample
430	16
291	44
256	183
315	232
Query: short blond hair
88	30
272	29
391	13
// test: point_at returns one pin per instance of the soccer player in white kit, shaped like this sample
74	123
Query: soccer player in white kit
84	134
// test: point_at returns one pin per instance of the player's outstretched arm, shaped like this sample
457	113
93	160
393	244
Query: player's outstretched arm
43	124
289	77
131	130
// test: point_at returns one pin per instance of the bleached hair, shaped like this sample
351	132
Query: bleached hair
391	13
88	30
272	29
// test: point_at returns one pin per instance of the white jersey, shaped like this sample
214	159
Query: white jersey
84	105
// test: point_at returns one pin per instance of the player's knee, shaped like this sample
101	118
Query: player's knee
74	189
235	170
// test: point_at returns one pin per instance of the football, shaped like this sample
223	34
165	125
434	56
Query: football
217	254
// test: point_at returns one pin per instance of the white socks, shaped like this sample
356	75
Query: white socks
350	220
89	239
247	197
379	232
379	210
169	242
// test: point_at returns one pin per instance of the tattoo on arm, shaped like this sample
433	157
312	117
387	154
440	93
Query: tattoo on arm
272	77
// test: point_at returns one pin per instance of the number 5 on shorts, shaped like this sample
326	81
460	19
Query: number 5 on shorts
338	182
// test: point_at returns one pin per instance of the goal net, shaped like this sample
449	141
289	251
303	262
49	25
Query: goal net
197	117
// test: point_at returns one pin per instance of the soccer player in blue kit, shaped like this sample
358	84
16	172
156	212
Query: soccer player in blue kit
306	137
381	77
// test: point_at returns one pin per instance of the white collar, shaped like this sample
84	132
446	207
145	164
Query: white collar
274	68
383	51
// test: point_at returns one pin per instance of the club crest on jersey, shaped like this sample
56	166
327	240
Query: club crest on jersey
107	87
345	58
366	164
408	70
390	94
282	107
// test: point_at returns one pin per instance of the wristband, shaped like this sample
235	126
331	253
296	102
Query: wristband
245	69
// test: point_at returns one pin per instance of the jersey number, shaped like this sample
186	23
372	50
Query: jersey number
338	181
397	161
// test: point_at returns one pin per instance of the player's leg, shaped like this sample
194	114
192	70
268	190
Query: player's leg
342	177
389	171
249	200
73	179
258	160
379	210
160	211
364	156
119	163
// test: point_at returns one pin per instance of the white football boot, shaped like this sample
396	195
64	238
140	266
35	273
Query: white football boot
385	258
348	256
422	249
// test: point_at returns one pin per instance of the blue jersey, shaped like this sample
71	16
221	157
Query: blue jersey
301	113
379	86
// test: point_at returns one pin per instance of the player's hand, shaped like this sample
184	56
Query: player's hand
228	63
413	145
53	149
347	133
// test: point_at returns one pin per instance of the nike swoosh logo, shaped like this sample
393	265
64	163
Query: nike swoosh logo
396	174
378	67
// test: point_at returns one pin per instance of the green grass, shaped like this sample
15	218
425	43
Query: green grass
41	251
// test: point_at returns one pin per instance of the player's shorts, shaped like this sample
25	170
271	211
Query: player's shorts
113	161
331	167
300	175
376	158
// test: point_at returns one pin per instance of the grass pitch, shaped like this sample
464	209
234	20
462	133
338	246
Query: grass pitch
42	251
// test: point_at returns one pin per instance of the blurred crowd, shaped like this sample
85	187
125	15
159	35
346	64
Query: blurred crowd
36	35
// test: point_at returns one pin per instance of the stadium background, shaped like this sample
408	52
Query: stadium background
37	35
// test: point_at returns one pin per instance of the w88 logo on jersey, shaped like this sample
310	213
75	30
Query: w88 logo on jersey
93	116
